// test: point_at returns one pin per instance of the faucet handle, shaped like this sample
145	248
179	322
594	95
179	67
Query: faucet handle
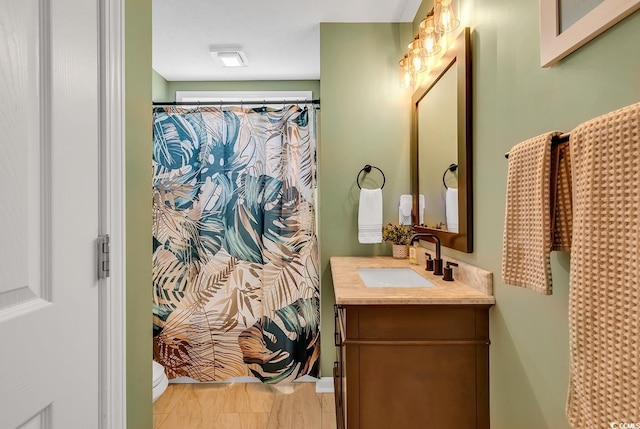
428	262
448	271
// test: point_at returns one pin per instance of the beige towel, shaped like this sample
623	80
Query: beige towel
561	200
604	290
526	243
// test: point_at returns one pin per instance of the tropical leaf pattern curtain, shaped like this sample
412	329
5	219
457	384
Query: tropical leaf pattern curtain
235	255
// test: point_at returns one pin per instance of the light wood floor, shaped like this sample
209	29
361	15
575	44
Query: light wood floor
244	406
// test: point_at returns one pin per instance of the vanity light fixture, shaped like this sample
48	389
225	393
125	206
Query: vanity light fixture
406	76
445	18
428	36
417	57
429	42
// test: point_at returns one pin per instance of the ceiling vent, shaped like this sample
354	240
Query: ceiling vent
229	56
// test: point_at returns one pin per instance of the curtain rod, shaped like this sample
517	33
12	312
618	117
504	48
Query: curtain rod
235	103
562	138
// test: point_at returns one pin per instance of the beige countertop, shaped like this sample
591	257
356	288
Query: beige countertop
350	289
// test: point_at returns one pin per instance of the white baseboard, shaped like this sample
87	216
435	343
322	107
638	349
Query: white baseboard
189	380
324	385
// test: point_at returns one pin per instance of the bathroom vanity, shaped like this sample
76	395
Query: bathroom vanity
410	357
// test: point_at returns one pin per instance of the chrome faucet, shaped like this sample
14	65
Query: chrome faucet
437	263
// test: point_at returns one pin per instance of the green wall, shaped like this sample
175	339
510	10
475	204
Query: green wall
365	120
514	99
160	87
255	85
138	215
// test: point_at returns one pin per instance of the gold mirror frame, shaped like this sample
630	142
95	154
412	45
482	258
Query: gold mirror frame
459	53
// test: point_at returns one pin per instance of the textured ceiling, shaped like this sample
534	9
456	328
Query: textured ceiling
281	38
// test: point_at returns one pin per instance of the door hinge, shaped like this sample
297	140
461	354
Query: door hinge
103	256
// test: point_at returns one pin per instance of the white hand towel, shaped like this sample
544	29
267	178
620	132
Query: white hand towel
370	216
451	209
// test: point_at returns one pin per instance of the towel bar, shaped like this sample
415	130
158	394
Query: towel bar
367	169
451	168
562	138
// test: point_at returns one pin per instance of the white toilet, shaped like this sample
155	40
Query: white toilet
160	380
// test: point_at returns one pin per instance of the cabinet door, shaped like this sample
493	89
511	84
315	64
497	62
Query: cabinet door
417	386
337	387
339	367
343	386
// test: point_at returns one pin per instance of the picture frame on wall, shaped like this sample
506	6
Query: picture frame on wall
566	25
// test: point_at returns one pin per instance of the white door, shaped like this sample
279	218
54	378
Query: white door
49	197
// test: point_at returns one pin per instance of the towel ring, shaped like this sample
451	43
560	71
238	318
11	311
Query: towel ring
367	169
451	168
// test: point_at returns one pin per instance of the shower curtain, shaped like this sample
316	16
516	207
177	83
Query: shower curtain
235	254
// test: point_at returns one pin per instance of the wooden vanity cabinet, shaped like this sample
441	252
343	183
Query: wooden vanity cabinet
339	380
412	366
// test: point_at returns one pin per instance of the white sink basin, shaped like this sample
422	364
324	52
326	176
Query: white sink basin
392	277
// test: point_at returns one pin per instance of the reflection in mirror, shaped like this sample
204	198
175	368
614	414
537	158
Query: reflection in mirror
437	150
440	137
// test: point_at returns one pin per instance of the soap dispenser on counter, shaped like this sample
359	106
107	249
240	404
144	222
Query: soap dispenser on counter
413	254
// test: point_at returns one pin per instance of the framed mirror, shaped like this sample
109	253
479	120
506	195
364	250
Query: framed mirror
441	149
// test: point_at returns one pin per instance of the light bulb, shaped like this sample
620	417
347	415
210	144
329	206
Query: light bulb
428	36
447	21
406	77
416	58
